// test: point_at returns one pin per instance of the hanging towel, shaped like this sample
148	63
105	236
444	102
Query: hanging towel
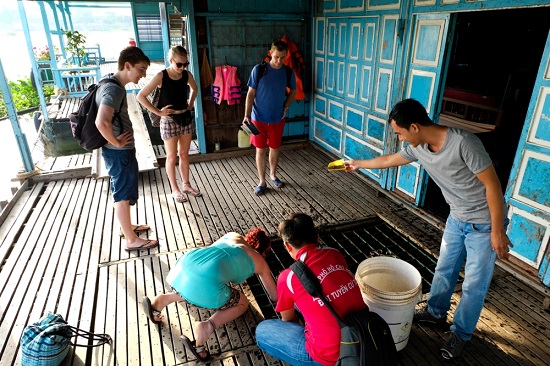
206	72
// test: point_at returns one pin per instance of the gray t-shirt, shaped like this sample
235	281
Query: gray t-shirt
113	95
453	169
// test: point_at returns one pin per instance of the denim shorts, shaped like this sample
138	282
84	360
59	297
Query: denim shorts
122	166
234	298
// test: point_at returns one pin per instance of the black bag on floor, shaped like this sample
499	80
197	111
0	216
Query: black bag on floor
366	338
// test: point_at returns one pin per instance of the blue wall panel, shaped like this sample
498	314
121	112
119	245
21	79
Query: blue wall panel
327	134
543	129
428	34
407	178
375	3
335	112
383	90
320	105
532	186
422	88
357	149
530	244
354	119
388	43
375	129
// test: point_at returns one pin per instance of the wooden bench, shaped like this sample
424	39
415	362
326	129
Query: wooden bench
145	153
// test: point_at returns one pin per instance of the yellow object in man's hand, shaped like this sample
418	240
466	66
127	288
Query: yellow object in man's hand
337	165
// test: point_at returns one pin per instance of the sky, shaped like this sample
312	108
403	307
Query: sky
15	55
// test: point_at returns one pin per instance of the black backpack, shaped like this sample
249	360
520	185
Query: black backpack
82	121
366	338
262	70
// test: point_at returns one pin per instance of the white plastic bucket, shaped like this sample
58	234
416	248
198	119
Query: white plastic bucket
391	288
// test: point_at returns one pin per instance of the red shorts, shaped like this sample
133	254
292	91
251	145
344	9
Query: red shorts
271	134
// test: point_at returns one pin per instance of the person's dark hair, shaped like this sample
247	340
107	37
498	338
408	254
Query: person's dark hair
409	111
258	239
133	55
298	230
279	46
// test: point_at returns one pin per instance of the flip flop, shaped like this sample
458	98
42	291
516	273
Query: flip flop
180	198
195	350
151	313
277	183
138	229
259	190
147	245
193	192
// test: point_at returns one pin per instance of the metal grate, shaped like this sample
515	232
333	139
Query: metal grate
357	242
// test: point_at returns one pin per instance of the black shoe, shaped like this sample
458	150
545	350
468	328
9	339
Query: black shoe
423	316
452	347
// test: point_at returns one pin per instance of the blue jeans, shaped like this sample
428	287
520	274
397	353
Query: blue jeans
285	341
470	242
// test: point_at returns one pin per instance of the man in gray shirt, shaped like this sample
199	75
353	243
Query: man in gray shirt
119	153
476	227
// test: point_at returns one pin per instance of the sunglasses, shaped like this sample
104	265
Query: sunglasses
181	64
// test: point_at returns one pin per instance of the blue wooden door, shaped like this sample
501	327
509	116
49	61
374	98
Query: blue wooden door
423	83
527	191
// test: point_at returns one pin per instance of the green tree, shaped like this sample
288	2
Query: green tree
24	95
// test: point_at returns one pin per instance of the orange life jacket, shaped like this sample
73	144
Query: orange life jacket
296	62
226	85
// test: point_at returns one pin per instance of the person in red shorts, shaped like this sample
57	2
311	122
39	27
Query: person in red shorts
266	106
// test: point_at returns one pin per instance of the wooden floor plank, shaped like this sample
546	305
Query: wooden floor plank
69	232
14	222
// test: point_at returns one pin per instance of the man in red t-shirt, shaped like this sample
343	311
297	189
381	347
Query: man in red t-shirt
318	342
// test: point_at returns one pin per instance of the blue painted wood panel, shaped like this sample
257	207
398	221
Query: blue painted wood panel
319	36
383	91
320	105
527	190
319	74
389	38
355	148
531	186
376	129
428	44
355	119
329	6
327	135
382	3
335	112
408	178
531	233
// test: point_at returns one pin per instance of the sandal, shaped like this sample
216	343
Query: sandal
277	183
192	191
146	245
151	313
196	350
178	197
260	190
138	229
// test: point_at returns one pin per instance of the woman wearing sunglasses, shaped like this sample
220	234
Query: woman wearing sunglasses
177	124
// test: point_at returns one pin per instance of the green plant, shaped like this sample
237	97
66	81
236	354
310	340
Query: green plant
75	45
24	95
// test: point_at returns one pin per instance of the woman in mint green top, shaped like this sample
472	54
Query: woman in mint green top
202	277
